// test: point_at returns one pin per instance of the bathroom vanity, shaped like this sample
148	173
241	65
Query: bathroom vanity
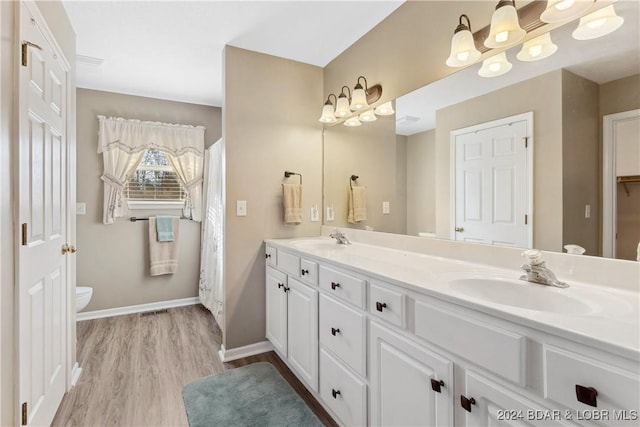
397	337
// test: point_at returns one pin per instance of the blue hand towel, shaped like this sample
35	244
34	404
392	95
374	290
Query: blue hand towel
164	228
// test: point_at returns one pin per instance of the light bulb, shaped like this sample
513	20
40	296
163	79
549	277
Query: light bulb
502	37
564	4
535	50
597	23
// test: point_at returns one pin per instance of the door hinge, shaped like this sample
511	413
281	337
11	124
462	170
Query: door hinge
25	51
526	141
526	219
24	413
24	234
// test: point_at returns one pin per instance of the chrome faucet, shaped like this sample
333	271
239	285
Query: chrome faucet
340	237
537	271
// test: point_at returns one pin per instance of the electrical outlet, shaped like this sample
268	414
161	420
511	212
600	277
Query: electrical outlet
241	208
587	211
330	213
81	208
315	214
385	208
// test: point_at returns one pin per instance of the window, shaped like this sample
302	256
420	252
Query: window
154	183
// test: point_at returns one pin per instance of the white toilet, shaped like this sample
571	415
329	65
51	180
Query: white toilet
83	296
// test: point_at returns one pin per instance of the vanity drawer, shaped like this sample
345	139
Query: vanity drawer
309	271
566	374
343	331
343	285
498	350
271	255
387	304
342	391
289	263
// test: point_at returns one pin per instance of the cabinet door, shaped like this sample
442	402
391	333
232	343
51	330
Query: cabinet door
302	308
402	393
495	405
277	310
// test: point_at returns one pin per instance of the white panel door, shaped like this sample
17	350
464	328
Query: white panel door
43	215
277	310
492	184
402	393
302	336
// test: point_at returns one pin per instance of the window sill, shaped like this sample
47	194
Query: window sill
153	205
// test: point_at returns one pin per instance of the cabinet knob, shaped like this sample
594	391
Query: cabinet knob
286	289
267	255
436	385
335	393
587	395
381	305
304	271
335	331
459	229
466	403
335	285
280	285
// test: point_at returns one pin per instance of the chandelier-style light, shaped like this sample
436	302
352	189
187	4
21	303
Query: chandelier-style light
564	10
538	48
328	111
505	27
598	24
463	47
495	66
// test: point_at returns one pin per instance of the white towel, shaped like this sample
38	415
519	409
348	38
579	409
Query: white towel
357	204
163	255
292	203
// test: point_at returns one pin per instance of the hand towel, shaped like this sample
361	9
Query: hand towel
292	203
357	204
163	255
164	228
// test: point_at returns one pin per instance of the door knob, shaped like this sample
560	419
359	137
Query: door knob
72	249
65	249
459	229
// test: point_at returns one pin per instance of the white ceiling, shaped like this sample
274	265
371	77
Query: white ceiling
173	49
601	60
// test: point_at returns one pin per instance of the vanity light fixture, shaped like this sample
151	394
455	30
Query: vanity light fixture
368	116
352	122
497	65
564	10
463	47
359	99
505	27
385	109
328	112
598	24
342	105
538	48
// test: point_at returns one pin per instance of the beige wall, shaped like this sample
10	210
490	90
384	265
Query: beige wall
421	182
114	259
270	114
620	95
580	162
547	148
371	152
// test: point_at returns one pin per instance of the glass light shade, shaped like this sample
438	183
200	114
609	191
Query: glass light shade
328	116
385	109
497	65
368	116
564	10
358	99
598	24
352	122
342	106
463	50
538	48
505	28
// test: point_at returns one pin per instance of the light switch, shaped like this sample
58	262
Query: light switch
315	213
81	208
385	208
241	208
330	213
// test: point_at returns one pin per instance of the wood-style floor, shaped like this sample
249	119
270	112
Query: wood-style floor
134	368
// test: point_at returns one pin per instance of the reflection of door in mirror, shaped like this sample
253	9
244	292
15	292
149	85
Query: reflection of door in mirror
493	182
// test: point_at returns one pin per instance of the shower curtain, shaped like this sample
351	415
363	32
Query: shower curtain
212	250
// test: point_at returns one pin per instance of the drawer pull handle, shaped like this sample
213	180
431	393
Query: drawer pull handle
587	395
286	289
267	255
335	285
381	305
280	285
466	403
436	385
335	393
305	271
335	331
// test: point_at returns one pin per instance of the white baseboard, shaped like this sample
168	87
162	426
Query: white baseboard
140	308
247	350
75	374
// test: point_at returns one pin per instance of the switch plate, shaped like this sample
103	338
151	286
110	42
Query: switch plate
315	214
587	211
241	208
330	213
81	208
385	208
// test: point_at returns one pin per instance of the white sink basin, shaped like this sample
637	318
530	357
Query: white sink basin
318	245
526	295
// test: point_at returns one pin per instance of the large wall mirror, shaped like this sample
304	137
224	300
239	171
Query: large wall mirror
418	172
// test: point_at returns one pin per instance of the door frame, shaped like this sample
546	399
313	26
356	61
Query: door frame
528	118
609	197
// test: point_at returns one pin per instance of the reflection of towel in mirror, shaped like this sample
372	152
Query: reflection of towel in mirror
292	203
163	255
357	204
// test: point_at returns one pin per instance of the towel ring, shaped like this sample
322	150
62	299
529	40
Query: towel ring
287	174
352	179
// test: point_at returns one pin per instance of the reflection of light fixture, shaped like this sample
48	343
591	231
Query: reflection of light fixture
497	65
463	47
538	48
385	109
564	10
342	105
328	113
359	99
505	28
368	116
598	24
352	122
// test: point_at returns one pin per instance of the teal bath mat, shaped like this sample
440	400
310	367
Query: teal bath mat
253	395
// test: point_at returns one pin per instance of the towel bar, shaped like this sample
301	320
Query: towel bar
353	178
135	218
287	174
